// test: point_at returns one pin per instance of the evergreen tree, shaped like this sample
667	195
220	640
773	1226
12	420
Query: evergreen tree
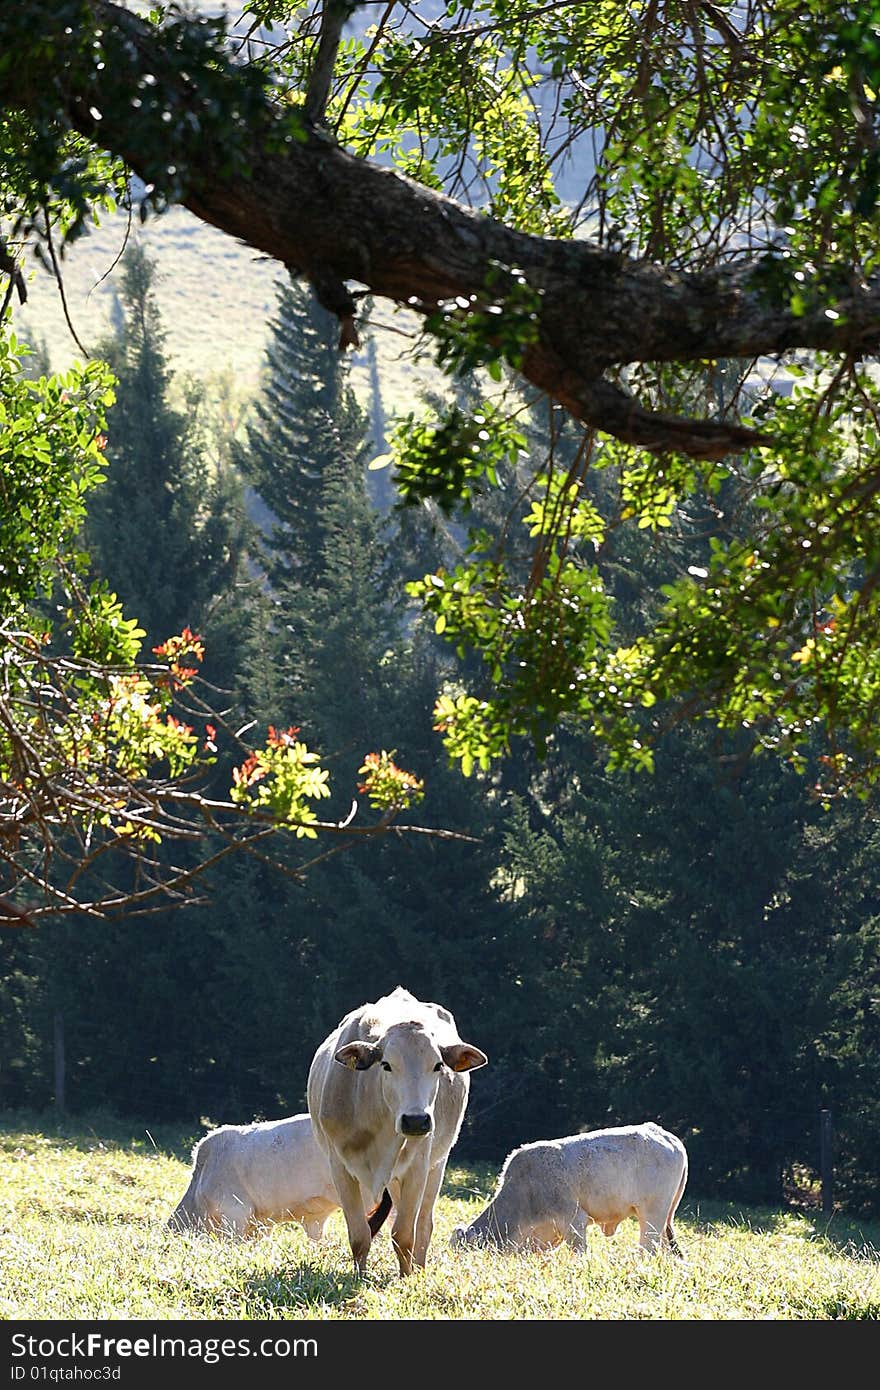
350	647
306	417
167	529
307	441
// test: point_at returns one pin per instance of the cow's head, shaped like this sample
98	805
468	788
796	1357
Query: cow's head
483	1231
411	1064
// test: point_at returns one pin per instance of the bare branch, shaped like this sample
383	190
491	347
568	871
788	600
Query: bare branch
59	280
12	916
333	17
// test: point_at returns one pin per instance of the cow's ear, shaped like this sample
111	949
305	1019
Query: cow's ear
463	1057
358	1055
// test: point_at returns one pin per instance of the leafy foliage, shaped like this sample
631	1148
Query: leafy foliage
446	461
289	778
388	786
78	722
52	456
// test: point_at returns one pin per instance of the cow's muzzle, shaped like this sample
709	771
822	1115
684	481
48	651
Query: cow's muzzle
414	1126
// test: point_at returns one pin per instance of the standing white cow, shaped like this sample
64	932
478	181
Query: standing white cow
552	1190
387	1092
248	1176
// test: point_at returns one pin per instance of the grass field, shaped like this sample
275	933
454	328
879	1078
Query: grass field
83	1207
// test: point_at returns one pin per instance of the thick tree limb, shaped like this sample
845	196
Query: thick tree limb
336	218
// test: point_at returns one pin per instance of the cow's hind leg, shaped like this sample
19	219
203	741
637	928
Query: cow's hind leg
671	1241
669	1231
652	1227
314	1218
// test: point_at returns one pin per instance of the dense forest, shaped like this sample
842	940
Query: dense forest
697	946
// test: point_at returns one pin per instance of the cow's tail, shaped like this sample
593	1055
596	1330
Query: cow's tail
376	1216
670	1228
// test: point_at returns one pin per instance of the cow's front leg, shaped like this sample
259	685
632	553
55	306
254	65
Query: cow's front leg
425	1219
349	1192
403	1232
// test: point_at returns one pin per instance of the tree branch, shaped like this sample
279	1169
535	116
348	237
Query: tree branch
336	219
333	17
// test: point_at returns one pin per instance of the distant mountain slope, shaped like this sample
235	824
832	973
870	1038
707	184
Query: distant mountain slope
216	298
214	295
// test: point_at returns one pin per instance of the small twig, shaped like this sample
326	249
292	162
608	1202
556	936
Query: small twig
120	253
60	282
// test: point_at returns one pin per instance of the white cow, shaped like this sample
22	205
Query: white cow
387	1092
245	1177
552	1190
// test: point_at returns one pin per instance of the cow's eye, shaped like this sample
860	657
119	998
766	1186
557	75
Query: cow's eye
386	1066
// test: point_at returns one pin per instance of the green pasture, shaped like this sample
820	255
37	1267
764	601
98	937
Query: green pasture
83	1207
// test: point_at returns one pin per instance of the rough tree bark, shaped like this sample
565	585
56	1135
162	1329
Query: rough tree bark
341	220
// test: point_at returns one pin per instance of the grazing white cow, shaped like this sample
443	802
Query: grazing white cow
387	1092
552	1190
245	1177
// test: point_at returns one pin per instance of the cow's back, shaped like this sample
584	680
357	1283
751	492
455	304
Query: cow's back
625	1164
268	1171
281	1167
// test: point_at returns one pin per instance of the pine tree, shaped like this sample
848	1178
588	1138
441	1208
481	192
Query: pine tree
307	443
167	530
306	417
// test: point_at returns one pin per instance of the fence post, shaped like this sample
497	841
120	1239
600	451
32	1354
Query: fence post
826	1159
59	1063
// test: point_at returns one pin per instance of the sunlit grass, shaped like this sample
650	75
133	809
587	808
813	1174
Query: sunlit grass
83	1236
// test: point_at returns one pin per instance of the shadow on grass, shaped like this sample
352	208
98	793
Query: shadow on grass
303	1287
843	1233
53	1211
837	1310
29	1130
